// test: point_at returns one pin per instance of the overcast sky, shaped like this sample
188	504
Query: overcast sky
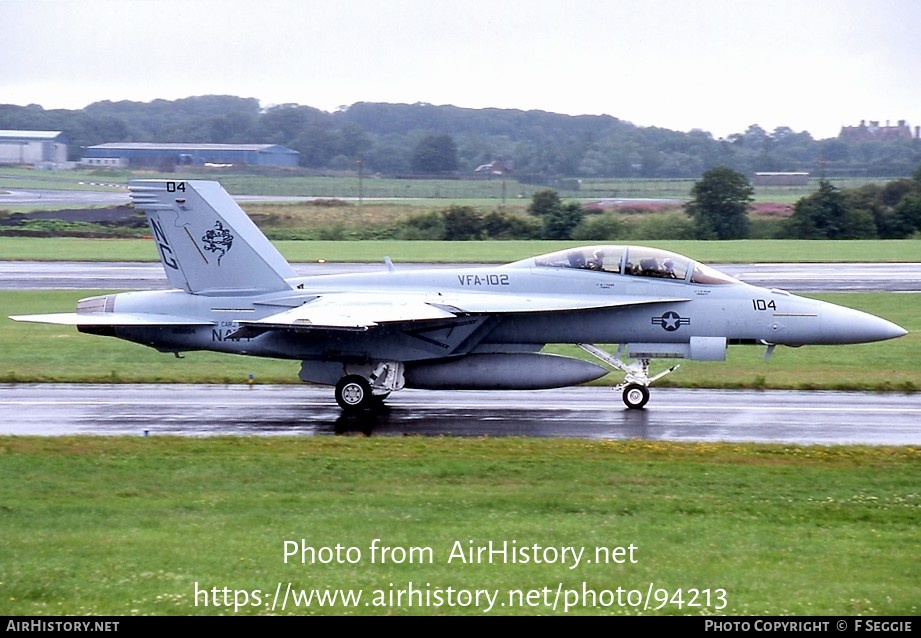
716	65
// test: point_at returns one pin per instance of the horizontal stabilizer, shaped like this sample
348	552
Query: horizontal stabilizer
111	319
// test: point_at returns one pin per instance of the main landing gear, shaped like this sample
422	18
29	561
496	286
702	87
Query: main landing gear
355	392
636	380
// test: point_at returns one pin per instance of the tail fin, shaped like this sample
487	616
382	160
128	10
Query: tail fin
207	244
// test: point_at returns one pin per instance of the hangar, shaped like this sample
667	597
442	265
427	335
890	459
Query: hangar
42	149
145	154
781	179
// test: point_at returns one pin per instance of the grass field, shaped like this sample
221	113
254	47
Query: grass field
138	526
373	186
742	251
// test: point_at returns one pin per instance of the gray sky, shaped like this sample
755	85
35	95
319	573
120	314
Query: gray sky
716	65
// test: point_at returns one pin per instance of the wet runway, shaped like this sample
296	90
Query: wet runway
803	418
853	277
68	197
61	197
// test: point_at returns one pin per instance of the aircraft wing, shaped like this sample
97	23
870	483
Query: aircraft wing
360	311
111	319
352	311
480	303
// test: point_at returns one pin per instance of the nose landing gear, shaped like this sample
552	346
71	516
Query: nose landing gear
636	375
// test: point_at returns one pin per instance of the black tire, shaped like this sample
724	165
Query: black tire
353	393
636	396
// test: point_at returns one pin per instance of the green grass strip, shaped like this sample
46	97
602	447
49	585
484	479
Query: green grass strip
747	251
136	526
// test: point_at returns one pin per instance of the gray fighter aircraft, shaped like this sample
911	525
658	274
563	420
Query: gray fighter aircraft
474	328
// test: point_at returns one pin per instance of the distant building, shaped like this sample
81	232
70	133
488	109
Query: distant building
496	167
151	155
42	149
873	132
781	179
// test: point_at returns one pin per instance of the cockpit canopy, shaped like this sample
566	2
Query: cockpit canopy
638	261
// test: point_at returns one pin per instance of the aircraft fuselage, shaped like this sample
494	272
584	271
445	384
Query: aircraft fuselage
738	312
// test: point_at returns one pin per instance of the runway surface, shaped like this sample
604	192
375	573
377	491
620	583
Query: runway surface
803	418
853	277
61	197
87	198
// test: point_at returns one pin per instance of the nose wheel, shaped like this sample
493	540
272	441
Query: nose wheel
635	396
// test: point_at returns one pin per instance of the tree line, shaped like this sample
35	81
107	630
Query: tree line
721	199
719	208
397	139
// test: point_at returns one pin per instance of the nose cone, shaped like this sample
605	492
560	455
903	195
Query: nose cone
846	325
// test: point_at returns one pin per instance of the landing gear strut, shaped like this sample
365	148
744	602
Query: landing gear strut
636	375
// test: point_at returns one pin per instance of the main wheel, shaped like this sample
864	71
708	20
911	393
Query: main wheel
636	396
353	392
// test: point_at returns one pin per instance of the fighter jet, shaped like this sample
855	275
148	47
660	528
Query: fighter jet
469	328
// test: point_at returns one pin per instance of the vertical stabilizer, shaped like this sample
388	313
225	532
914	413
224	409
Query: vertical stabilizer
207	244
